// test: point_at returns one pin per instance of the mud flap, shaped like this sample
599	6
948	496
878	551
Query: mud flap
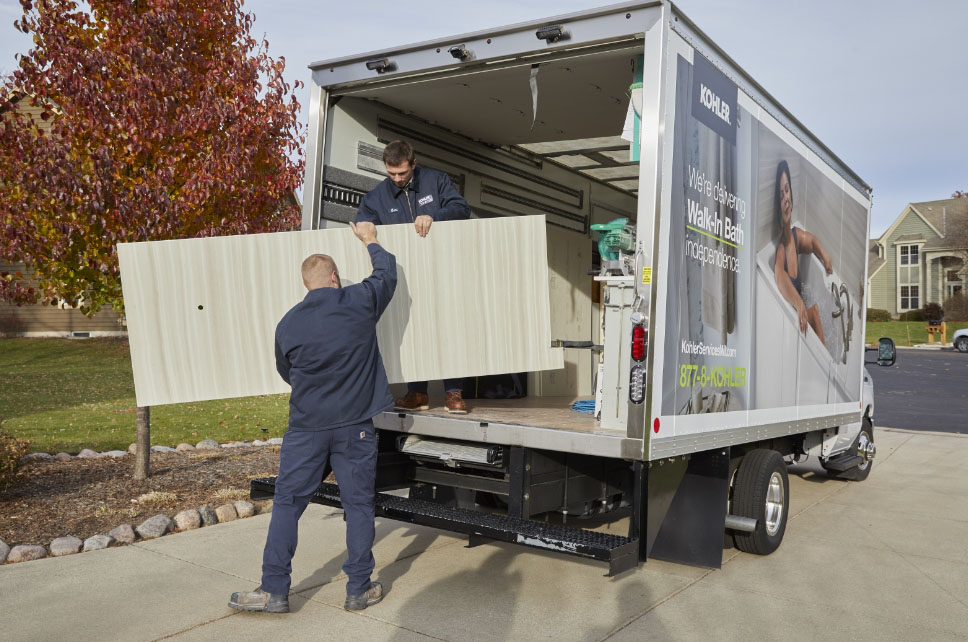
687	508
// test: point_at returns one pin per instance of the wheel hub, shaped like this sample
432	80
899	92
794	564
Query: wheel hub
866	448
775	504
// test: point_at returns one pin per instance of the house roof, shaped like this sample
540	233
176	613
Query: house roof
907	238
946	244
18	100
10	100
874	262
946	216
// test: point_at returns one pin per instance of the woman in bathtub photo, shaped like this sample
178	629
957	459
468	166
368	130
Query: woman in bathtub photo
795	241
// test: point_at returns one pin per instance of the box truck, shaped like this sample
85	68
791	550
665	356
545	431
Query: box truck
707	258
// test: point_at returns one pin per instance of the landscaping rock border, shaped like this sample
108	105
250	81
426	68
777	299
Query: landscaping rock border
156	526
180	449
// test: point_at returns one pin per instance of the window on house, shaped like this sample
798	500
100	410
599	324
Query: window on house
953	285
909	255
909	277
909	297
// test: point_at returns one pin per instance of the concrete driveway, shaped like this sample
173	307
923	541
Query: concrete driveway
886	559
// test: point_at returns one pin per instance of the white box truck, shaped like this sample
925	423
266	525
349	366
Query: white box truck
707	255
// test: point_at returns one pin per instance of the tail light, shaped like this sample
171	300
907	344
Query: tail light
638	343
637	384
637	375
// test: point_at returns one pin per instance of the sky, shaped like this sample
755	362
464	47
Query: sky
880	82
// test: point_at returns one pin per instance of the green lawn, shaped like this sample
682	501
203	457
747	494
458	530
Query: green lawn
69	394
907	333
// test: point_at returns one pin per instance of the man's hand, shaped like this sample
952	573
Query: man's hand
422	223
365	231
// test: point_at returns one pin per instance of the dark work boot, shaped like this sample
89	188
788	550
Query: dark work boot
259	600
359	602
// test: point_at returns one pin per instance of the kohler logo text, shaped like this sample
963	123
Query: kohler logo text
713	103
713	99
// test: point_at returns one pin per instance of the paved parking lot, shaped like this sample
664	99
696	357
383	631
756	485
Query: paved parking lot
886	559
923	390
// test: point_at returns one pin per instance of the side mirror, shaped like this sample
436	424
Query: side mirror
886	352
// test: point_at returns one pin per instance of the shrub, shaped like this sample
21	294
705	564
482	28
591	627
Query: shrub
876	314
932	312
11	325
956	308
911	315
11	450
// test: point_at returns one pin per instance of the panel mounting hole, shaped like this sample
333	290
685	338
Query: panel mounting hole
201	307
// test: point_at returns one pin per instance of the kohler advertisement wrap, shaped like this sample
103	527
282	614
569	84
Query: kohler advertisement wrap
764	310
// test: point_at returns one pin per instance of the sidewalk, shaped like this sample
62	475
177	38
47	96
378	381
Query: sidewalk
886	559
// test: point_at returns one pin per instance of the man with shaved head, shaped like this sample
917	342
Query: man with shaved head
319	271
326	349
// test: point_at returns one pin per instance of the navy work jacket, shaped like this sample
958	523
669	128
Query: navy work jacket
429	192
326	349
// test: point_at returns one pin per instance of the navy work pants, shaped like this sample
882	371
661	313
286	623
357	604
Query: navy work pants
450	385
351	451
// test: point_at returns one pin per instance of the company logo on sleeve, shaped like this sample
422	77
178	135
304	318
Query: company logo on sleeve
713	98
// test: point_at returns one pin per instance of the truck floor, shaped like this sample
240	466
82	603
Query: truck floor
547	423
540	412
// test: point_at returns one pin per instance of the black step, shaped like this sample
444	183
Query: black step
845	462
621	553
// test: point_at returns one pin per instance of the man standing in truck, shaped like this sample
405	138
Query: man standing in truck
419	196
326	349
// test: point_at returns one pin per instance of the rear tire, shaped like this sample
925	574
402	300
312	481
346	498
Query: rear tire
961	343
762	492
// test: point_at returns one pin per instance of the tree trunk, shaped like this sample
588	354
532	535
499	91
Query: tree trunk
142	452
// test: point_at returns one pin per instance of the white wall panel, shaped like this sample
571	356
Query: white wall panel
472	299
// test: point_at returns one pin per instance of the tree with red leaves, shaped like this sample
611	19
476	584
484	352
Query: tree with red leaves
161	119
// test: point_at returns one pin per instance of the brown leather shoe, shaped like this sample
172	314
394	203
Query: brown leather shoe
412	401
454	403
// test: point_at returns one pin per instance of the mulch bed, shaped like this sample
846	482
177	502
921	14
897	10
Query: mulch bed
85	497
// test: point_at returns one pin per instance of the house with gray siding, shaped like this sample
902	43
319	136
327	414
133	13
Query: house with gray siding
922	257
